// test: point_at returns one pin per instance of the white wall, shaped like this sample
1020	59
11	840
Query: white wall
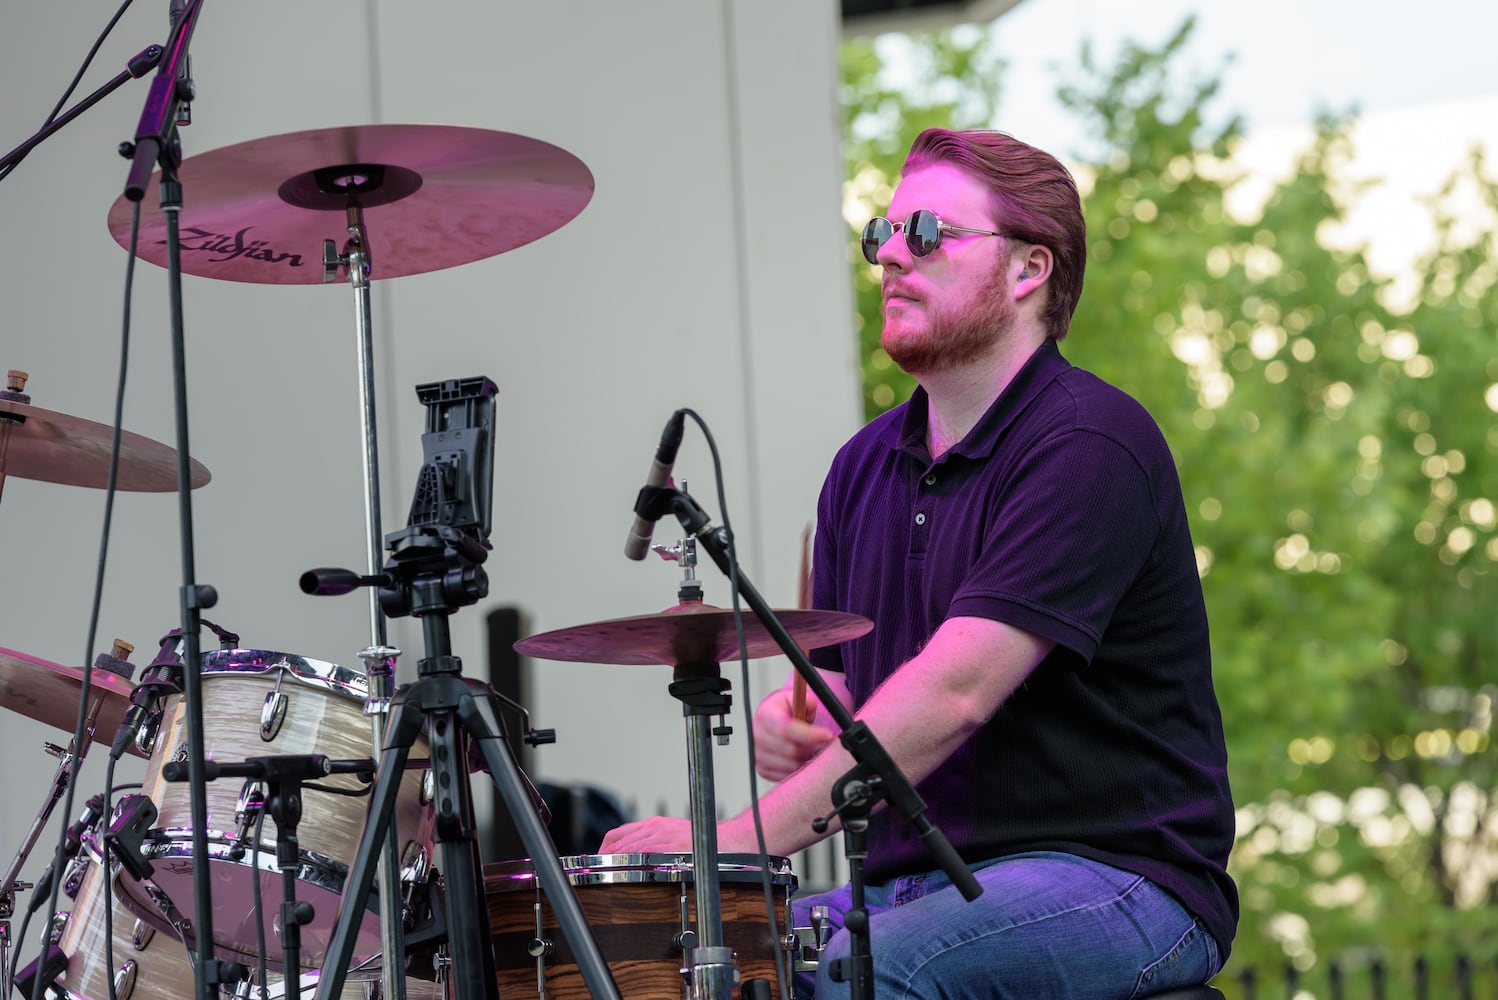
708	271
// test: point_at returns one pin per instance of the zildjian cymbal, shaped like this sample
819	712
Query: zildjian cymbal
688	634
432	197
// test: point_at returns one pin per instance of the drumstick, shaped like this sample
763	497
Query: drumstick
803	601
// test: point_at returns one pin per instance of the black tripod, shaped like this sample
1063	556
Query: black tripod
434	569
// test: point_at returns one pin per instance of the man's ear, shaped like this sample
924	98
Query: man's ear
1035	266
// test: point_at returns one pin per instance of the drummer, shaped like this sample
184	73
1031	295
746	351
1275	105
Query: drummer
1040	663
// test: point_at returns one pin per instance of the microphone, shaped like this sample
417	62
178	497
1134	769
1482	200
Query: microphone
640	533
143	700
72	840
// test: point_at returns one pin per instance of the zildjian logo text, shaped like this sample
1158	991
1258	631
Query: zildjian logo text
230	247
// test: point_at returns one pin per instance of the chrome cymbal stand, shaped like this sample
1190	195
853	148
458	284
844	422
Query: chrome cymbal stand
9	884
379	657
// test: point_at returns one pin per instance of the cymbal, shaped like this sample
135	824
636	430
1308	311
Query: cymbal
59	448
433	196
688	634
49	692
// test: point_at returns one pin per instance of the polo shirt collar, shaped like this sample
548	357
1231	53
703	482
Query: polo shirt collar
1039	371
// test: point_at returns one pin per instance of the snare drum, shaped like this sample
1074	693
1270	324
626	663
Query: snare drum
637	906
258	703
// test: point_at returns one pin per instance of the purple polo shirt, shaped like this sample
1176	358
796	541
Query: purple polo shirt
1061	514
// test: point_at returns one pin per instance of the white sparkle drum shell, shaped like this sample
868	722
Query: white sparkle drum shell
260	703
635	905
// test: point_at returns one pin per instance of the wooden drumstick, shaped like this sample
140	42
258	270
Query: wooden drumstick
799	708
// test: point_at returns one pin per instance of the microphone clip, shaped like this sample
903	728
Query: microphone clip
655	502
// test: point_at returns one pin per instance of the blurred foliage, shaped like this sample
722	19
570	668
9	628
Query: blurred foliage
1338	448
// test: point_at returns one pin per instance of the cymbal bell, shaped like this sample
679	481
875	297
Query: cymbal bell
688	634
432	197
59	448
49	692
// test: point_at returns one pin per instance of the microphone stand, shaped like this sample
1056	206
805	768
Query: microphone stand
283	776
156	141
138	66
876	776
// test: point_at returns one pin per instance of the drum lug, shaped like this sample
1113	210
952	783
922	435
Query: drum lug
141	935
59	924
416	865
145	740
73	880
539	947
272	713
124	979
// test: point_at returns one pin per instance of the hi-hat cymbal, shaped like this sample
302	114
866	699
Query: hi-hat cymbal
433	196
59	448
688	634
49	692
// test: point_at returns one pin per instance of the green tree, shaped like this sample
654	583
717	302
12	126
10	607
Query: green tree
1339	451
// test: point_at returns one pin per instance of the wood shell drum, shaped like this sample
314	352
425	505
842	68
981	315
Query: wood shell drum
636	906
152	966
260	703
146	964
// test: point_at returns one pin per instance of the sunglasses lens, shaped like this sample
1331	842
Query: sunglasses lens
875	234
922	232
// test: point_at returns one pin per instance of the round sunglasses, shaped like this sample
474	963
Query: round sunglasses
923	230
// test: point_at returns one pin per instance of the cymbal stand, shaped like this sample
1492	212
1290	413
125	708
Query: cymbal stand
379	658
9	884
874	777
703	693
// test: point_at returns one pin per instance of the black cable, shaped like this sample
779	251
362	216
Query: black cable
93	618
782	962
260	959
15	951
105	873
87	60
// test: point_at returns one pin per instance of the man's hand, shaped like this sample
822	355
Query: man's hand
656	835
783	743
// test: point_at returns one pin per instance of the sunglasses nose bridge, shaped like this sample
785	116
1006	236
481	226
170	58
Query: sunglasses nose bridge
894	251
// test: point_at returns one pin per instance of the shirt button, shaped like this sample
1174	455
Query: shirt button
931	479
920	519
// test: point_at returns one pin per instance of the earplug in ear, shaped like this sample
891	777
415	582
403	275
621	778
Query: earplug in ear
1023	275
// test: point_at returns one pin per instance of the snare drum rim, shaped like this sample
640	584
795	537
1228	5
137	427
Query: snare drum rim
605	869
305	670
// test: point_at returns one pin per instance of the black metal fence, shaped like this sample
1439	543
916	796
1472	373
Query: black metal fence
1459	977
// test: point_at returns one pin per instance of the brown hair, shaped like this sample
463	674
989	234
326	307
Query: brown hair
1034	199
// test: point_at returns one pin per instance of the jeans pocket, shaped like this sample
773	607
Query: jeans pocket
1191	961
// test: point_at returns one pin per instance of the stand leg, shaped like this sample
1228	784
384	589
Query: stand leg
458	709
482	720
400	734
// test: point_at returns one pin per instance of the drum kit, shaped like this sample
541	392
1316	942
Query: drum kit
411	199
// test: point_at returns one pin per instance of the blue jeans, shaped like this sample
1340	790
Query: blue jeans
1048	925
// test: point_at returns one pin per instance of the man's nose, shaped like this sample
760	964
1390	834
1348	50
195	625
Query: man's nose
894	253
